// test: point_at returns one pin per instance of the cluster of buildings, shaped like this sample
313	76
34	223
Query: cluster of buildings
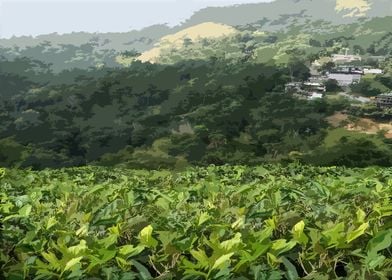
345	73
311	89
348	75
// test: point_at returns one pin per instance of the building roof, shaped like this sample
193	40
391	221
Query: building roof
315	95
294	84
373	71
346	57
313	84
345	73
385	95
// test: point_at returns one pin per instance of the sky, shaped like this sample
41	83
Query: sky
35	17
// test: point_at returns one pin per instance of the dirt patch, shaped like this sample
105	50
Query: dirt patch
388	135
337	119
363	125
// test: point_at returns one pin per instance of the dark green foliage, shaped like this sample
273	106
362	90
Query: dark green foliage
372	112
202	108
11	84
315	43
366	87
203	112
352	152
332	85
327	67
386	80
11	152
298	69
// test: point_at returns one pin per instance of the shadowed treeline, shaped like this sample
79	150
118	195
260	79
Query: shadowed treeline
194	112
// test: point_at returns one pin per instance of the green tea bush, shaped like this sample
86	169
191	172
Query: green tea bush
266	222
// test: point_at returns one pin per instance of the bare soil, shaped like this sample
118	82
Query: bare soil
363	125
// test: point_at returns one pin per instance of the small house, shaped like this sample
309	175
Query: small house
372	71
315	95
343	58
384	100
293	87
314	87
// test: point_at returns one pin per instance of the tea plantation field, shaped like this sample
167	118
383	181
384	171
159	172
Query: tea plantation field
230	222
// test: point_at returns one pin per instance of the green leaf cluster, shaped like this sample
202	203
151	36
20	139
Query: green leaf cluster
227	222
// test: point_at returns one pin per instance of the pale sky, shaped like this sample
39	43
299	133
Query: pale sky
34	17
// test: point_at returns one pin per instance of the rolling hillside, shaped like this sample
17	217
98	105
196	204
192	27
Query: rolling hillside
268	30
283	13
252	43
186	37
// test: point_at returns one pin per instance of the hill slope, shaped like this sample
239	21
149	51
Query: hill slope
81	49
252	44
84	50
207	30
282	13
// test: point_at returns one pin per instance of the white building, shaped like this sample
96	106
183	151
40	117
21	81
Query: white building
372	71
345	58
314	86
345	79
315	95
342	58
293	87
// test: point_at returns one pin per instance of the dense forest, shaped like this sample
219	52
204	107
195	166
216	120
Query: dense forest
150	115
194	110
153	100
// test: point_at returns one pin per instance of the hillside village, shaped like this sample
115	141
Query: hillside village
337	75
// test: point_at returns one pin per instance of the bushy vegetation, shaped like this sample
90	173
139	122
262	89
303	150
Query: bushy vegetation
372	86
197	112
154	116
266	222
